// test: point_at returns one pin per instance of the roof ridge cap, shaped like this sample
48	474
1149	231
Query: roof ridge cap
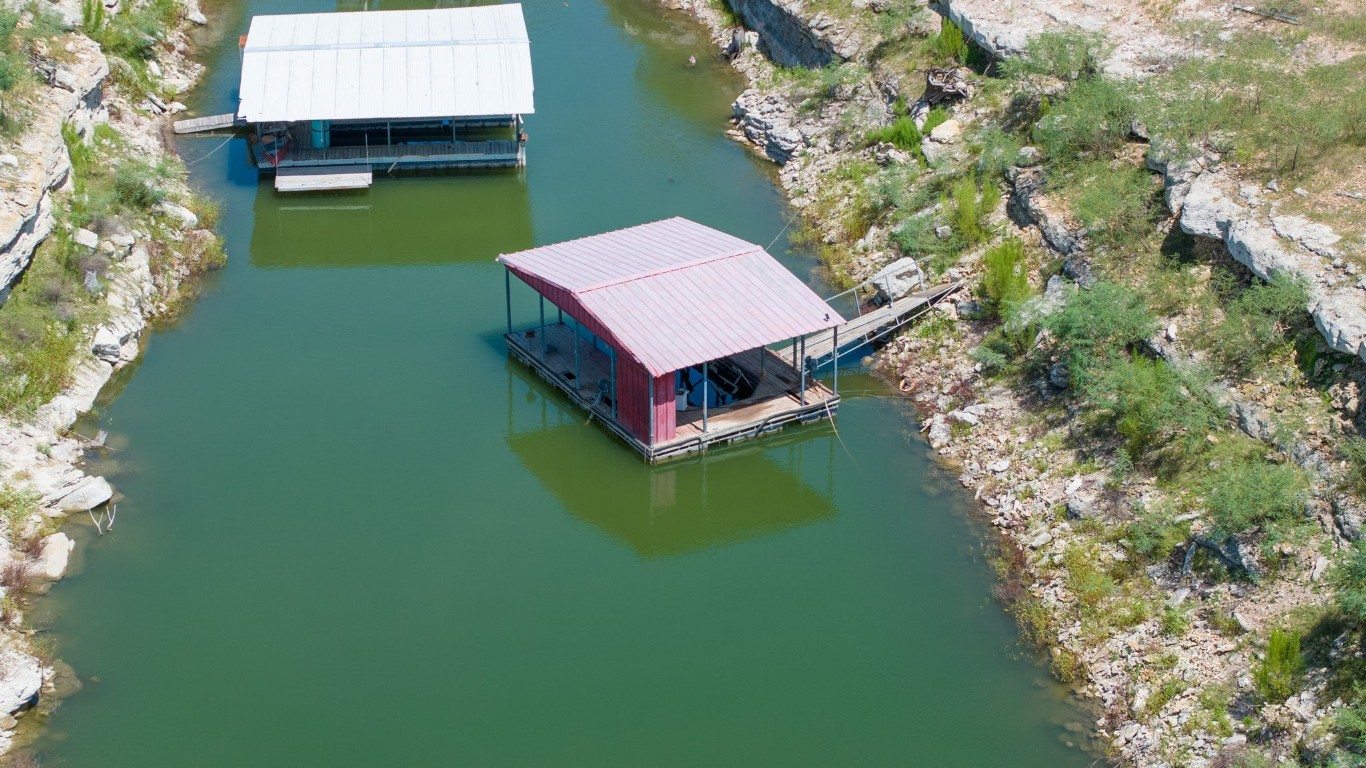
752	248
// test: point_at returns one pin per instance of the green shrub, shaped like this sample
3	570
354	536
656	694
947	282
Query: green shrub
965	212
1278	675
16	506
1100	322
1350	722
902	132
1065	56
996	152
949	43
1113	204
1254	323
1154	533
1243	495
1095	118
933	119
1349	579
1005	279
1245	100
1353	450
139	184
1147	401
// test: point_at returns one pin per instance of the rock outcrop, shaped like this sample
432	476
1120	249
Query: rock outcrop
793	38
26	216
1003	29
1282	245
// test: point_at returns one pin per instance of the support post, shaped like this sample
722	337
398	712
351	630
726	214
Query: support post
612	385
803	369
706	395
507	295
388	133
794	351
835	359
542	331
578	382
650	438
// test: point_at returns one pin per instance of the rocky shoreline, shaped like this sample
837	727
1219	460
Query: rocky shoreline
145	270
1014	447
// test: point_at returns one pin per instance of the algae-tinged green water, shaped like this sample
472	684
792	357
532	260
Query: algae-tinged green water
356	535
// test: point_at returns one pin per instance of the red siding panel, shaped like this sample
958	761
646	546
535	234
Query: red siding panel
666	415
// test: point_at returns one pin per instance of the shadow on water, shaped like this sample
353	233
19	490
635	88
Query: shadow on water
446	219
678	507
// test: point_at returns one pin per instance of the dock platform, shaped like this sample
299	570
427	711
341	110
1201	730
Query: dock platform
335	177
772	406
390	157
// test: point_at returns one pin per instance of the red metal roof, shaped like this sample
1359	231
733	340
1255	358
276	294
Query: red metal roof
674	293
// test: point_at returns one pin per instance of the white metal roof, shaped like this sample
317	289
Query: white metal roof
445	62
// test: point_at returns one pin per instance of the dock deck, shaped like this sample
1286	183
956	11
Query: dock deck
773	404
385	157
323	179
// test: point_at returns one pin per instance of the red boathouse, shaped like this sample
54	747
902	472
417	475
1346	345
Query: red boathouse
663	330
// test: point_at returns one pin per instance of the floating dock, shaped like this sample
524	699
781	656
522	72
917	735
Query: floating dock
387	90
662	332
336	177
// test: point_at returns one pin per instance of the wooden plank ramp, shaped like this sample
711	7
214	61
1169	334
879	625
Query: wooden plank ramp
874	324
209	123
323	179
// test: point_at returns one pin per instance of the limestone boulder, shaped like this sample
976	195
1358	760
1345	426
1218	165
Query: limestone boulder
85	495
21	676
54	556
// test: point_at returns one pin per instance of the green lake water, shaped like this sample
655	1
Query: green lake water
355	534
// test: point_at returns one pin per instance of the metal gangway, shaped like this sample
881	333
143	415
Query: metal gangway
874	321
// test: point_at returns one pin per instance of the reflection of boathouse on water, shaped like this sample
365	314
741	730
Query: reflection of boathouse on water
330	98
662	332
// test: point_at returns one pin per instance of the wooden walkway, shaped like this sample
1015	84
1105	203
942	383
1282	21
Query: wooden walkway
873	325
203	124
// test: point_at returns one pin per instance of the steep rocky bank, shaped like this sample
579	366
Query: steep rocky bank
137	268
1174	679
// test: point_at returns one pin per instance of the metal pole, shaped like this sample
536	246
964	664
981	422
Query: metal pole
613	384
560	314
835	359
507	295
803	370
650	439
578	384
794	351
542	329
706	391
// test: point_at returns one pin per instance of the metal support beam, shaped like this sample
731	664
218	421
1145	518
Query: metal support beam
542	331
578	383
706	392
507	295
835	359
650	438
612	385
803	369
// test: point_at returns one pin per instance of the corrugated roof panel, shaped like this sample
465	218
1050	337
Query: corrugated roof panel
325	82
675	293
487	71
